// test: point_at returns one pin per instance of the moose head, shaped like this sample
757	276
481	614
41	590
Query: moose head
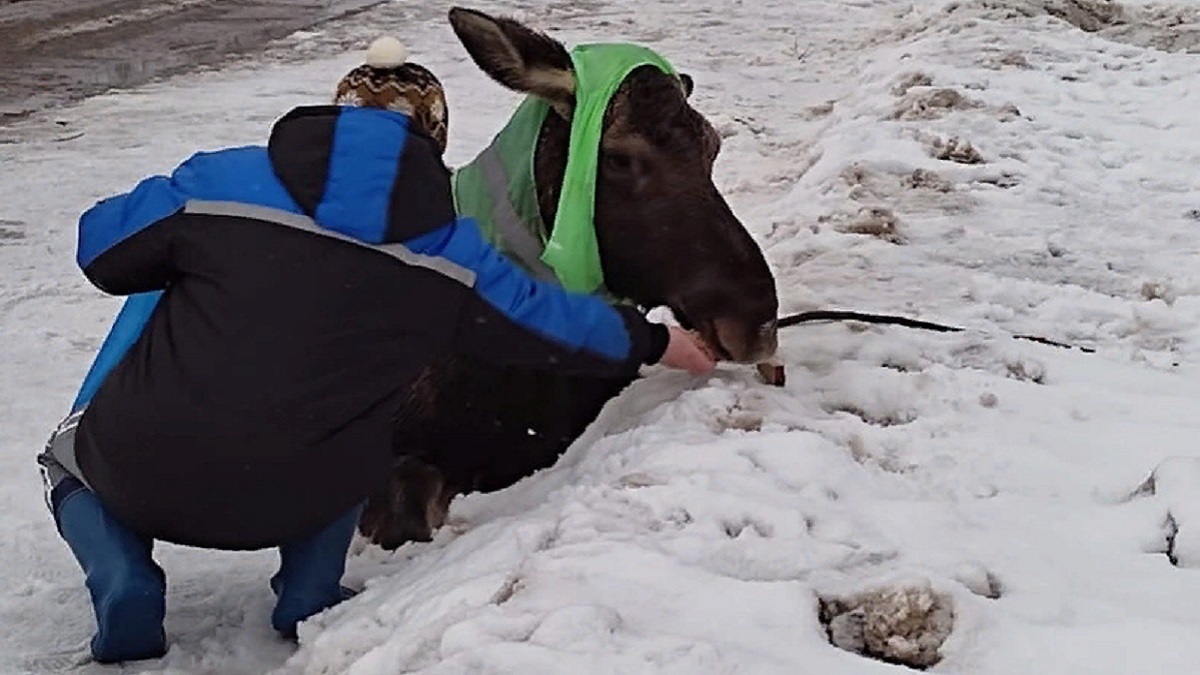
665	234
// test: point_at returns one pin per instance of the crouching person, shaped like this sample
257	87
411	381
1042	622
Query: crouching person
283	299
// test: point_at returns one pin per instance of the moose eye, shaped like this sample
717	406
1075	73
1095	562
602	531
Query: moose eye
618	162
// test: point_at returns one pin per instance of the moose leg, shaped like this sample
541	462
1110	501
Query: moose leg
412	506
417	497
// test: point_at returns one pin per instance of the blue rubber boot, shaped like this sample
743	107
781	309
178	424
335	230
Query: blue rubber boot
128	589
310	574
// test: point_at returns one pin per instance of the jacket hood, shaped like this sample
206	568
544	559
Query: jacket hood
362	172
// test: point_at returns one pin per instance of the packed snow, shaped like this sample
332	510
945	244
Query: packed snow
965	502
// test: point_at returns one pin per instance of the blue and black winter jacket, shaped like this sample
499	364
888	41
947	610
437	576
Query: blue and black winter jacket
283	301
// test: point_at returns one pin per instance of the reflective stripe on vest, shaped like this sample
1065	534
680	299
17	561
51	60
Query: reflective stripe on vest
513	236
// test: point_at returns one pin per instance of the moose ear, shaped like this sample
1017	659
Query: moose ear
518	57
688	84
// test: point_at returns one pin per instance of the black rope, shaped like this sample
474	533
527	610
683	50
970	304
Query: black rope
843	315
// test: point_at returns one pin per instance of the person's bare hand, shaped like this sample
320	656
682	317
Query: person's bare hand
686	351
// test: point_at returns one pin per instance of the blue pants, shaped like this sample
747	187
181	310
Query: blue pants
128	589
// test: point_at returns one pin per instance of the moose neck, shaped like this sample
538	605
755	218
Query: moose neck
550	167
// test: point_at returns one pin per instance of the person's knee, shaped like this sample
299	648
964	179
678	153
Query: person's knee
71	505
60	486
109	552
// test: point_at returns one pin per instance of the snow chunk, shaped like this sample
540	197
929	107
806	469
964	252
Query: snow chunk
904	624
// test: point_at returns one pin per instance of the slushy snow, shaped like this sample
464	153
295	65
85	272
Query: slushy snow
966	501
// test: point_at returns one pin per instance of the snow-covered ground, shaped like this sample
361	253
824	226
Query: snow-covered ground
1040	505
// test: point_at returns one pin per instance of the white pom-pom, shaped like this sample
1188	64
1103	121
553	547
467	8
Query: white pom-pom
386	52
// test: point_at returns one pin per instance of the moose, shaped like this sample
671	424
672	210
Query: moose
666	237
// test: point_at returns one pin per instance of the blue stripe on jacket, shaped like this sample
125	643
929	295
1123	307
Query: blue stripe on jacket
126	329
367	147
237	174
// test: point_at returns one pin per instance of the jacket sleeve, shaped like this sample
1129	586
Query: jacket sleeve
513	319
125	241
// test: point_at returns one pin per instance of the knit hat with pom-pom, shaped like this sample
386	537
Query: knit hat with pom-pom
388	80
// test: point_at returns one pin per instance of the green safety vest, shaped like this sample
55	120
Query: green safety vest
497	189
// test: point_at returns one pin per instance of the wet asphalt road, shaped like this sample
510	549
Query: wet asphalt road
56	51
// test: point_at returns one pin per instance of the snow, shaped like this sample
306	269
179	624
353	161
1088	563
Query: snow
1031	500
